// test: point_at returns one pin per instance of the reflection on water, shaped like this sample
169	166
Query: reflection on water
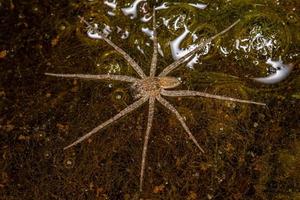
280	72
132	9
113	5
261	39
256	41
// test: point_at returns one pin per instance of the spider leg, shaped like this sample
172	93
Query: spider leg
155	47
182	93
146	140
178	62
127	57
127	110
96	77
169	106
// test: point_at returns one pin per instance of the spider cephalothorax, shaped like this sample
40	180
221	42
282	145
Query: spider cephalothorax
150	88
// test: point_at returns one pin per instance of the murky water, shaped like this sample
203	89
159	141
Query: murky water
252	152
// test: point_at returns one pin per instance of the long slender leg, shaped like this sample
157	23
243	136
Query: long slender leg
127	57
181	93
96	77
169	106
178	62
127	110
146	140
155	47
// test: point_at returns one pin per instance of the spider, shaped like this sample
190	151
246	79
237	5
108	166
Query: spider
150	88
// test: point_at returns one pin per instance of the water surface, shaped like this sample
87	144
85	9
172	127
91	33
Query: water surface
252	152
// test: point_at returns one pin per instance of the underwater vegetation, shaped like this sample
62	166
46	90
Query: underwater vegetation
149	88
251	152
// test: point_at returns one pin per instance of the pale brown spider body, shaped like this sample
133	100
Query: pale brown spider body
152	86
150	89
